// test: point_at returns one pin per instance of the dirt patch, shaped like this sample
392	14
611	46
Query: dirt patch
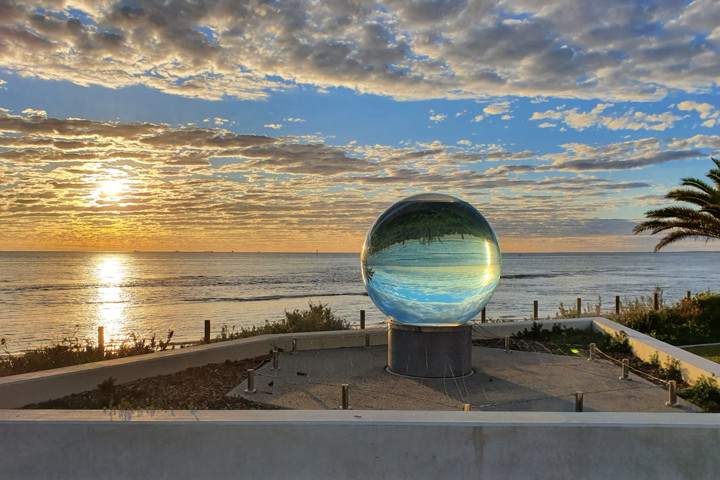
197	388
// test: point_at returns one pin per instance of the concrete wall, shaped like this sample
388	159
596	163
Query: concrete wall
692	366
357	444
19	390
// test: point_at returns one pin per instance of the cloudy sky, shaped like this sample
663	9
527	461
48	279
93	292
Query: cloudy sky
290	125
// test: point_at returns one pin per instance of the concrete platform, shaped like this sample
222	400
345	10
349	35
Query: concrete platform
514	381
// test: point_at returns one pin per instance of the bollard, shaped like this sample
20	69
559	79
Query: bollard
250	381
672	394
275	355
535	309
466	407
207	331
617	304
579	307
367	340
482	316
579	401
345	396
362	319
101	340
507	343
592	351
687	295
656	301
293	349
625	366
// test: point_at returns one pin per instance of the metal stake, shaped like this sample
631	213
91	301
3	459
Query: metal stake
250	381
362	319
367	340
672	394
579	401
345	396
275	355
293	349
592	351
625	366
507	344
466	407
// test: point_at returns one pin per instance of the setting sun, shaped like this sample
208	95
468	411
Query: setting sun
112	188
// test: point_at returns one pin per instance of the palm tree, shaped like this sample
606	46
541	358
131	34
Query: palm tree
682	222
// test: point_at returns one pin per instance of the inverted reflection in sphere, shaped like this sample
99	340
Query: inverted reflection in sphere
431	260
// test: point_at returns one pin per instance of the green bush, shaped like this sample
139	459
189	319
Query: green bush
696	320
318	318
563	336
705	394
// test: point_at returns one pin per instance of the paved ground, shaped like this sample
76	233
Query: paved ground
514	381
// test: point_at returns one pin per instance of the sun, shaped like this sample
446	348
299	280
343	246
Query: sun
111	188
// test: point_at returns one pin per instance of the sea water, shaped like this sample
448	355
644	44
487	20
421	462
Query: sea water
46	296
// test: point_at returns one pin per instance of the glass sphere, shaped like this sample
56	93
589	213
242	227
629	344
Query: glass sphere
431	260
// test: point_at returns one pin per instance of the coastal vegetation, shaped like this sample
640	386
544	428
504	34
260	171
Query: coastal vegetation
73	351
699	220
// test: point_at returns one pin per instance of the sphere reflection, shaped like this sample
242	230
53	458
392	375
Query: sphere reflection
431	260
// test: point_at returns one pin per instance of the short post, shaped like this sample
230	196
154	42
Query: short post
656	301
625	367
293	349
101	340
535	309
345	396
367	340
617	304
592	351
207	331
579	401
482	316
250	381
507	343
466	407
579	307
672	394
687	295
362	319
275	355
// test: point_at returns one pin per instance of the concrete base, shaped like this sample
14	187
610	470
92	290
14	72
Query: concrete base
430	352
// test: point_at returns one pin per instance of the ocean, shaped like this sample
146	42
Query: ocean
48	296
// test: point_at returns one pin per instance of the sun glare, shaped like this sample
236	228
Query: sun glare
111	188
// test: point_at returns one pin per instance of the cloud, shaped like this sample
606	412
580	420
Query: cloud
437	117
708	112
274	126
477	118
628	120
408	50
294	119
497	108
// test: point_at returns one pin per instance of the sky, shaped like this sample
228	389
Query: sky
291	125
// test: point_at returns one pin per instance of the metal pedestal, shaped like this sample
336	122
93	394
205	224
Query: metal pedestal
430	352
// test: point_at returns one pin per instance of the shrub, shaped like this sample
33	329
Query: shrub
705	394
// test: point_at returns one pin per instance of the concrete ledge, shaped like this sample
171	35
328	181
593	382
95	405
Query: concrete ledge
692	366
357	444
19	390
502	329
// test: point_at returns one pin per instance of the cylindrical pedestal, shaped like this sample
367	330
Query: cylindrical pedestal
430	352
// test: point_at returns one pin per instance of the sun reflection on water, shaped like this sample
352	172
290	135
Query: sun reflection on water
110	271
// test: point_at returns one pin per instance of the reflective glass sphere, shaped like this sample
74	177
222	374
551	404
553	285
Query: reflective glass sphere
431	260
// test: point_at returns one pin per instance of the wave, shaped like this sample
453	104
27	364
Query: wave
521	276
274	297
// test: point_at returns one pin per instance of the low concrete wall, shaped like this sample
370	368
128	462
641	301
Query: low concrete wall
692	366
502	329
19	390
357	444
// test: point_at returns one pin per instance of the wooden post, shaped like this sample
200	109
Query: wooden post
466	407
362	319
345	396
687	295
656	301
617	304
207	331
101	339
535	309
579	401
579	307
482	316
